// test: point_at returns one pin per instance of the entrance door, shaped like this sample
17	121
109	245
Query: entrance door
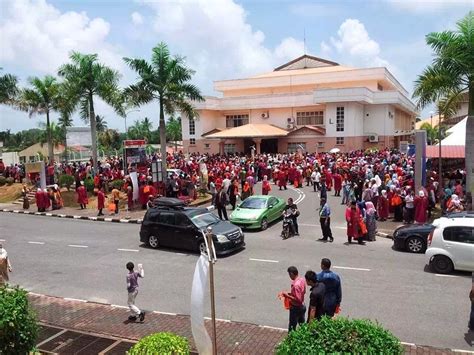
248	143
269	146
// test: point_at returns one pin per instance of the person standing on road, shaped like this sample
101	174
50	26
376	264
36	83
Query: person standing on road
132	288
325	221
294	214
332	283
296	297
316	297
266	188
5	266
353	219
221	201
100	201
315	178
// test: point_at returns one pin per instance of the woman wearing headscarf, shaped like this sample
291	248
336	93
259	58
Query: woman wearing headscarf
455	204
353	222
266	188
382	206
26	201
397	205
421	207
370	221
246	191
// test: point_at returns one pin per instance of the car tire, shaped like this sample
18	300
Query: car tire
415	245
202	247
442	264
153	241
264	224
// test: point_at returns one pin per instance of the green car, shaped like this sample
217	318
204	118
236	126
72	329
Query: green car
257	211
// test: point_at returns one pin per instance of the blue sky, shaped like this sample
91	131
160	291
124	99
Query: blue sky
221	39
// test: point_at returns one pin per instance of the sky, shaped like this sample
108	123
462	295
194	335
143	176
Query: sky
221	39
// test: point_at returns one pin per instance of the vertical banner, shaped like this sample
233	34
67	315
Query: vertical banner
199	287
134	178
420	159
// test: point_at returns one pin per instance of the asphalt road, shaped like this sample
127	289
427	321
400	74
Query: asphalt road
86	260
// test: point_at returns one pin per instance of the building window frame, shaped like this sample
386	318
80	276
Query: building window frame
340	141
192	141
192	127
293	147
236	120
340	118
230	148
310	118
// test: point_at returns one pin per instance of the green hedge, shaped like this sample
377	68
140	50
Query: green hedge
3	180
66	180
161	343
117	184
9	181
18	328
89	184
340	335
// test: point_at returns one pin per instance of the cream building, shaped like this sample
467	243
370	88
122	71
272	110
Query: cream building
309	102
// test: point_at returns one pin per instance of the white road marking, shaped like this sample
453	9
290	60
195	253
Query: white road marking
350	268
77	246
39	243
74	299
2	240
77	217
264	260
441	275
309	225
134	250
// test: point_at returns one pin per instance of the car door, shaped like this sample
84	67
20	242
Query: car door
184	232
166	228
273	211
459	241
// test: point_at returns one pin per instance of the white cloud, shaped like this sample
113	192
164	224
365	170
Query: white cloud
137	19
355	46
37	36
429	6
314	9
217	39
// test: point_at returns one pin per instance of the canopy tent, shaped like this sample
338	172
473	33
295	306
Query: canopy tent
457	134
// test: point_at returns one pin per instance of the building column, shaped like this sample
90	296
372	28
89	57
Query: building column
257	142
221	146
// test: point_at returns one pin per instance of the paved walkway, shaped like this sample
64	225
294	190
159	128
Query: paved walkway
86	323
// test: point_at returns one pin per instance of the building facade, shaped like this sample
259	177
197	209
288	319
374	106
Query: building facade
310	104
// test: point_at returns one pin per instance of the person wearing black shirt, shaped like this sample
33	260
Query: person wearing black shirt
294	214
221	201
316	297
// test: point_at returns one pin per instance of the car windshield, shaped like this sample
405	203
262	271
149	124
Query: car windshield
204	220
254	203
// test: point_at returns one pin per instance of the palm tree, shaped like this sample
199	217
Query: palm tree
173	131
100	123
450	74
8	89
165	79
56	134
42	98
86	78
432	133
108	139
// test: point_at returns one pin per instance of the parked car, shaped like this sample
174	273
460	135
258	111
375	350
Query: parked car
171	224
412	237
258	211
451	245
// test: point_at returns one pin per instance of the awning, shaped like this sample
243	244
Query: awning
447	151
251	130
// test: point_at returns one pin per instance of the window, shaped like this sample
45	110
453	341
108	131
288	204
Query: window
272	201
229	148
166	218
192	141
310	118
339	140
236	120
320	144
340	119
206	145
182	220
459	234
293	147
192	126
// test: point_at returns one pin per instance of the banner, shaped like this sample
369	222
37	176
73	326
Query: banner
134	178
78	136
201	276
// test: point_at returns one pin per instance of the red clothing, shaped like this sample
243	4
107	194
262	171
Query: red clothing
298	289
266	188
337	182
39	199
353	219
382	207
421	207
281	179
82	195
100	200
46	200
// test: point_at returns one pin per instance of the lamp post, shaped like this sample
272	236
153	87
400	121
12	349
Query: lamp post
125	119
212	260
431	135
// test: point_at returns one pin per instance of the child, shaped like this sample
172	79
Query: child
132	288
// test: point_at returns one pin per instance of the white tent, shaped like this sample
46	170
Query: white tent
457	134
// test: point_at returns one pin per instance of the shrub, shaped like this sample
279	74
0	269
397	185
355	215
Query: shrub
89	184
117	184
161	343
66	181
3	180
18	328
340	335
9	181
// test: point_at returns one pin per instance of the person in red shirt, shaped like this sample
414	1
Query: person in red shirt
39	197
337	184
296	297
82	199
100	201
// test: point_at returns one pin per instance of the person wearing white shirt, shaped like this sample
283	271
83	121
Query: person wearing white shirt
5	266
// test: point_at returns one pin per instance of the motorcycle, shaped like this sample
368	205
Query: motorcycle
287	230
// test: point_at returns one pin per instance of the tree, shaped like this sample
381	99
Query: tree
141	130
43	98
100	123
450	74
57	134
165	79
432	133
8	89
173	131
109	139
86	79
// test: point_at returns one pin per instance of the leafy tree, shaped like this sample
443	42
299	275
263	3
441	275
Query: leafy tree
43	98
100	123
109	139
165	79
56	136
141	129
173	131
86	79
432	133
450	74
8	89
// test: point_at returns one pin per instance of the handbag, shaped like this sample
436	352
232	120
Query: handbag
111	207
362	227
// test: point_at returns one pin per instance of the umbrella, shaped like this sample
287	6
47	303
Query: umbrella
334	150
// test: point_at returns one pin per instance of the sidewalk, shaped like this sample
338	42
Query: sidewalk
110	325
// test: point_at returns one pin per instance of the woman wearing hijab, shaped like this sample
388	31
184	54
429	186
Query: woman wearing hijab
370	221
421	207
246	191
353	221
455	204
382	206
266	188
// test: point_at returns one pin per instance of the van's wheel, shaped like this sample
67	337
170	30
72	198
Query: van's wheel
264	224
415	245
153	241
442	264
202	247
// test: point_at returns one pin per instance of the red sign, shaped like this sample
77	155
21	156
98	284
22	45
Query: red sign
134	142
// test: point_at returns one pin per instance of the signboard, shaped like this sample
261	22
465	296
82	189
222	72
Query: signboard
404	147
134	155
78	136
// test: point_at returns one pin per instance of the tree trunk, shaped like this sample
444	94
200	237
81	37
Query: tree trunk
163	143
93	133
470	144
50	139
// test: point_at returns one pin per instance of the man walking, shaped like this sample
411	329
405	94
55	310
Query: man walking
5	266
296	297
294	213
332	282
132	288
316	297
325	221
221	201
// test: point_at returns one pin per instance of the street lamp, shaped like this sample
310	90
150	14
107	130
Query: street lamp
126	113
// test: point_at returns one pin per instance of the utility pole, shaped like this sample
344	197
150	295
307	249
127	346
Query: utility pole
211	253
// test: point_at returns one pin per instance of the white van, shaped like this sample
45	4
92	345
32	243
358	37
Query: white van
451	245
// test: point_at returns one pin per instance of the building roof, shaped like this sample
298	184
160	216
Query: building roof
304	71
251	130
42	148
447	151
306	61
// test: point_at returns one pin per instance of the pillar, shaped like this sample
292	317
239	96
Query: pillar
221	146
257	141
